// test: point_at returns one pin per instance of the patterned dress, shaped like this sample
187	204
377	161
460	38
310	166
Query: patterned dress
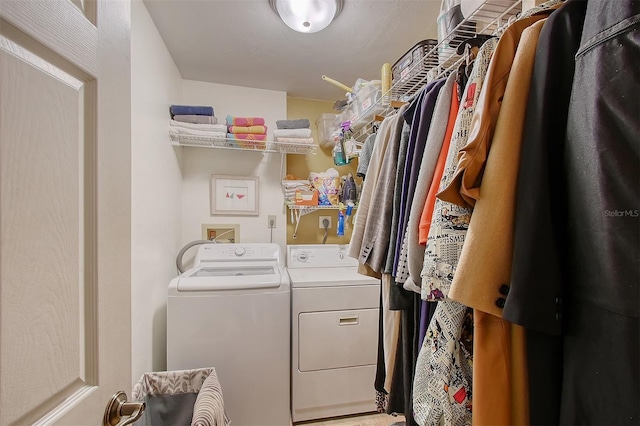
442	382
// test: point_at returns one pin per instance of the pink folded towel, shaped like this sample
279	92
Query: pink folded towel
245	121
259	130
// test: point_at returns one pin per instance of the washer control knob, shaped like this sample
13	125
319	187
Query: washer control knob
341	256
239	251
302	256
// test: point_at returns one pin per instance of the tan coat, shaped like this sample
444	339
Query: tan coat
482	277
486	178
484	271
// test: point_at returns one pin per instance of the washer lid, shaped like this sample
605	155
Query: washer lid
230	276
223	271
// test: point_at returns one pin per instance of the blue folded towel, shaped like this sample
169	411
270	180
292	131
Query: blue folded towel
190	110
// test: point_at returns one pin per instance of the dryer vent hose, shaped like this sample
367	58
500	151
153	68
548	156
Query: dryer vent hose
183	250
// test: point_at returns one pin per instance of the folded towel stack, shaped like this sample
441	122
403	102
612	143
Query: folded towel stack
289	188
293	132
247	132
193	114
194	125
294	140
211	131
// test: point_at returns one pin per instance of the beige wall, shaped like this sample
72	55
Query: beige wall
301	165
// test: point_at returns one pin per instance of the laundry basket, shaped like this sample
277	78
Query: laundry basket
183	397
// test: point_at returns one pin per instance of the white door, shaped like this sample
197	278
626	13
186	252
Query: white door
64	209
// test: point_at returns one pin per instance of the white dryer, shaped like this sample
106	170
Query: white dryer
231	312
334	335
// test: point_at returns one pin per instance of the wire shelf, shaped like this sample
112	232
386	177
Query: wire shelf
488	19
244	145
302	207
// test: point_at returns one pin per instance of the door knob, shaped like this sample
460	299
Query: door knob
119	412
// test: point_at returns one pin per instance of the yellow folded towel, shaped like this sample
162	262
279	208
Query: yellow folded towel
258	130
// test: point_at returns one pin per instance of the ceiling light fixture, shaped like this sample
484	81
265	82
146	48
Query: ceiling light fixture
307	16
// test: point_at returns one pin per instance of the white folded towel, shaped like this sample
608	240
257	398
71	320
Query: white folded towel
288	183
209	127
292	133
306	141
174	132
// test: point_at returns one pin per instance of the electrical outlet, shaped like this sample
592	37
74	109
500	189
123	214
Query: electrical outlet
272	221
321	221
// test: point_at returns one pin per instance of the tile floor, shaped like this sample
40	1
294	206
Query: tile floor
362	420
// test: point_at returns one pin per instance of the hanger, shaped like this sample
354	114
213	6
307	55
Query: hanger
469	55
397	104
475	41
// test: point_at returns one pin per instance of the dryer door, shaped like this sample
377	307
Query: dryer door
337	339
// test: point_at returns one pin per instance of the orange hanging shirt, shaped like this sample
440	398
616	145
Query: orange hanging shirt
427	211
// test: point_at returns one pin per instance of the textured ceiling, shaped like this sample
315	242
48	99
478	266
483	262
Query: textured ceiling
244	43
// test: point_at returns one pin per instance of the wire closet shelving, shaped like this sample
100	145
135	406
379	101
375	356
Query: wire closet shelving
244	145
490	18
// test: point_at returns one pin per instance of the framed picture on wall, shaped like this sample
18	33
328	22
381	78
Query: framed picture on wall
234	195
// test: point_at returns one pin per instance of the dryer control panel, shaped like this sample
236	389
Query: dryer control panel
319	256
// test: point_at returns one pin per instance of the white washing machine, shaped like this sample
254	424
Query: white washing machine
231	312
334	335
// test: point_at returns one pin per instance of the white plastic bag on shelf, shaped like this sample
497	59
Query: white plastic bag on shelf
449	18
328	186
359	84
467	7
